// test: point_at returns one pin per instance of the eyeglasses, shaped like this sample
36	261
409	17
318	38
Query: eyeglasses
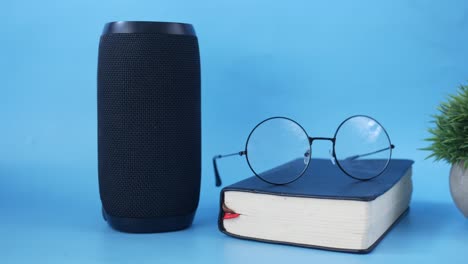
361	149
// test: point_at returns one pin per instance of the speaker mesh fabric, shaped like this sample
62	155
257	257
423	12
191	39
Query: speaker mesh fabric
149	127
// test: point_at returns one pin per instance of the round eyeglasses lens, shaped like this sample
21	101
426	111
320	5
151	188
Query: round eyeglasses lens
362	147
278	150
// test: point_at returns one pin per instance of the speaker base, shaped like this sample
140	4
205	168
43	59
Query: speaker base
149	225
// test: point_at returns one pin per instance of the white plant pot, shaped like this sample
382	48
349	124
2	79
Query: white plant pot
459	187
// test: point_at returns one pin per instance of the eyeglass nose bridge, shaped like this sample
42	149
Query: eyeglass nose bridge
332	153
311	139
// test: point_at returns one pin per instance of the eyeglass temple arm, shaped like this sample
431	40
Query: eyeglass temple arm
215	165
369	153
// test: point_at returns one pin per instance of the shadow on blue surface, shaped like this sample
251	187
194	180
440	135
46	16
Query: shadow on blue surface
429	224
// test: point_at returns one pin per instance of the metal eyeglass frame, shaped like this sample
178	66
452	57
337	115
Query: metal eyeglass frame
308	153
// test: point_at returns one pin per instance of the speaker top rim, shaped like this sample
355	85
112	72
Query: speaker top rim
149	27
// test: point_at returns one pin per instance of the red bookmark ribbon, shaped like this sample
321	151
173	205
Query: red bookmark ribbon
230	215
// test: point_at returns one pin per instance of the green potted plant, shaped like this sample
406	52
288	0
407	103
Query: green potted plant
449	140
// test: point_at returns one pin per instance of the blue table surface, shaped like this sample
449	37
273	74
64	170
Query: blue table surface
61	222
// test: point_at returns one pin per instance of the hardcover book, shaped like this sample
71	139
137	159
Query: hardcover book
324	208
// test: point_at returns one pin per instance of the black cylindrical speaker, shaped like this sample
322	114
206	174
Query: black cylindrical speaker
149	125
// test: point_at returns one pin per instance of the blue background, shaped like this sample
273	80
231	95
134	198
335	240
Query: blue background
314	61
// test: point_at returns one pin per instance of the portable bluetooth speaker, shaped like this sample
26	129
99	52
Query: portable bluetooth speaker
149	127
